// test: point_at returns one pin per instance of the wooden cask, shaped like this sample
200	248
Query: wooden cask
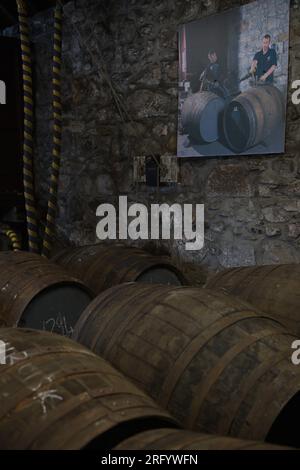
101	266
36	293
253	117
217	364
56	394
201	116
172	439
275	289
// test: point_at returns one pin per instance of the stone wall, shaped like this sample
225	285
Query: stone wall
252	203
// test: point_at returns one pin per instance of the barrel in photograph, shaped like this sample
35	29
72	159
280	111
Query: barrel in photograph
253	117
55	394
201	116
218	365
36	293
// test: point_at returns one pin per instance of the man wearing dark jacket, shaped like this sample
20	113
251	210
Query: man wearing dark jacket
213	75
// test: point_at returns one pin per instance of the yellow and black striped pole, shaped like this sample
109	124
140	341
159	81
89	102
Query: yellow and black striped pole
28	179
57	131
14	239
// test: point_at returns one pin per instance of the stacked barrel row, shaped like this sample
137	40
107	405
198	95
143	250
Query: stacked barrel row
213	362
37	293
190	357
56	394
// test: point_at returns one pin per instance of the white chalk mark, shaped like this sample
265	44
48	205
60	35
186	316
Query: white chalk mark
47	395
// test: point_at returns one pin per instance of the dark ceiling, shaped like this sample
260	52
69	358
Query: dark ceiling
8	10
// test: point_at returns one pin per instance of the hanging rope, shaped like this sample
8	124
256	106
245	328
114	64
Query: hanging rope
13	238
28	180
57	130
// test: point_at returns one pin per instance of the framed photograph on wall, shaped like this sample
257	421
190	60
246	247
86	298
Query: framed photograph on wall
233	81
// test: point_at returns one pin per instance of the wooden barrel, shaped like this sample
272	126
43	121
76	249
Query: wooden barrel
172	439
55	394
201	116
273	289
195	274
36	293
214	362
102	266
252	117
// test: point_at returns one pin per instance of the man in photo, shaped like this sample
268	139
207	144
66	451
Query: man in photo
213	76
265	62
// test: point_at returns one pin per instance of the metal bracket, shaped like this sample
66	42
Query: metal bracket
168	169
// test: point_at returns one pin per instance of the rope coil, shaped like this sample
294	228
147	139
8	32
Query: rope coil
28	179
13	238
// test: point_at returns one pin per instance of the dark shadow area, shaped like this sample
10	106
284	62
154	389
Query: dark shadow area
285	429
219	33
121	432
11	124
160	275
236	124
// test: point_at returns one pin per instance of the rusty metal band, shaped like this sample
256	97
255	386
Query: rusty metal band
201	392
194	347
263	406
250	380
